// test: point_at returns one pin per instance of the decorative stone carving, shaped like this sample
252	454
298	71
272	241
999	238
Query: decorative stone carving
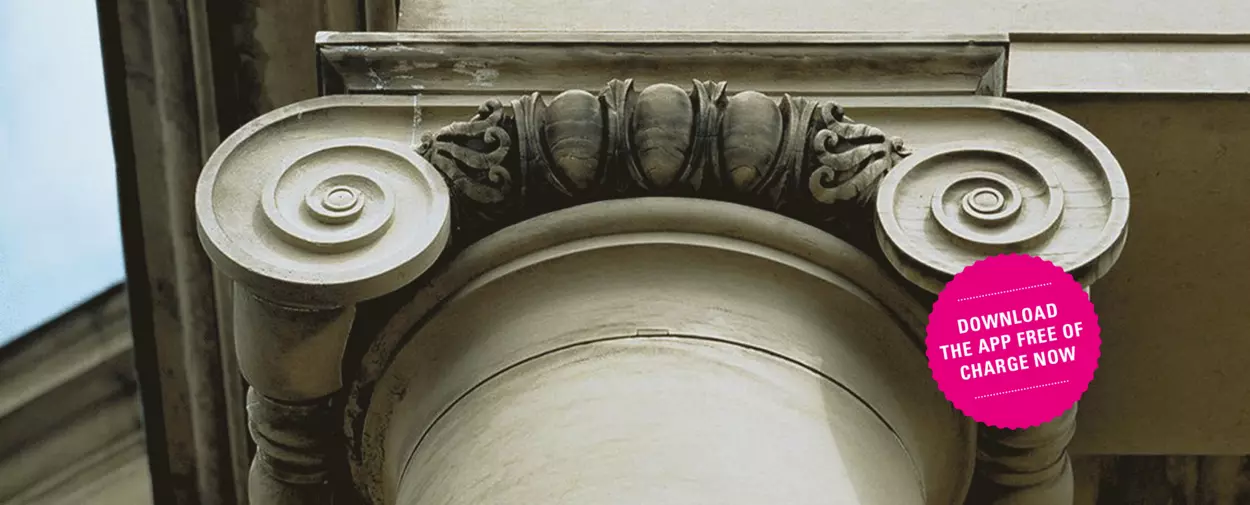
307	228
310	221
798	157
323	222
952	204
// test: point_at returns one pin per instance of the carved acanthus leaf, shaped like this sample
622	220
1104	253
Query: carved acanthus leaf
852	157
472	155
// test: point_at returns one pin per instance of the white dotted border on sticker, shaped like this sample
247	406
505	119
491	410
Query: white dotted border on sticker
1019	390
1002	292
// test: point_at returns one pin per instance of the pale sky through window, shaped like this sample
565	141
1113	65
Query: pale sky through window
60	238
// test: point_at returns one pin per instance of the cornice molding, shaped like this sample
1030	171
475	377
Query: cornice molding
837	64
519	63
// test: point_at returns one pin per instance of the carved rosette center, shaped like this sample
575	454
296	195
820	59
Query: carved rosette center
339	204
349	203
976	206
983	203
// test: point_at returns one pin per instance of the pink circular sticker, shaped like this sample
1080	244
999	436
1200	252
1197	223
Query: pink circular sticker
1013	341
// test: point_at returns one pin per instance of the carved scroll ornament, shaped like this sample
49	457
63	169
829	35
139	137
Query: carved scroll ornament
316	207
952	204
798	157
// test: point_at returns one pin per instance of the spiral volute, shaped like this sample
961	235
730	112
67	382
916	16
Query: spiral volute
949	205
332	221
